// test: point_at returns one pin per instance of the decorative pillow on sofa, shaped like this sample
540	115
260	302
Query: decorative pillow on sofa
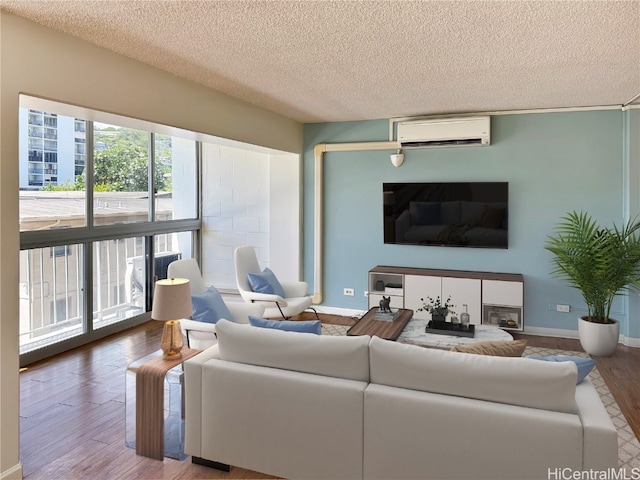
265	282
309	326
585	365
209	307
513	348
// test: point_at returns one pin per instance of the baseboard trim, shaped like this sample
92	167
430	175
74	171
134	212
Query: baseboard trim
346	312
14	473
630	341
555	332
550	332
211	464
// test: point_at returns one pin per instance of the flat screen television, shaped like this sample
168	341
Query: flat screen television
457	214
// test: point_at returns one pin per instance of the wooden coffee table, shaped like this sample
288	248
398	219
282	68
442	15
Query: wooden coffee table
367	325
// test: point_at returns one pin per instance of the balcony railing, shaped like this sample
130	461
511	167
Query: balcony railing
52	287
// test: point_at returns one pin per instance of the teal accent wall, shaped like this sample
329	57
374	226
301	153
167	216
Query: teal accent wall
632	196
554	163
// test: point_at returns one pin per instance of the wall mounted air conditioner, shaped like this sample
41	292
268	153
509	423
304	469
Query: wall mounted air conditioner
445	132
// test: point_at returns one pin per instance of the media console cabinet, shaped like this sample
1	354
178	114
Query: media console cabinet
490	298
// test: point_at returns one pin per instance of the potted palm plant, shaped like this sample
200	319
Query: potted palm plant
601	263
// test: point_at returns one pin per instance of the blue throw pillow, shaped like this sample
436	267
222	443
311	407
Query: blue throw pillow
309	326
209	307
585	365
265	282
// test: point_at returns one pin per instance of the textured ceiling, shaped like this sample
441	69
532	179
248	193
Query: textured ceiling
320	61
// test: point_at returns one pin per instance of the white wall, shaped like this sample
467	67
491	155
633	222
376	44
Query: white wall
78	73
246	200
285	216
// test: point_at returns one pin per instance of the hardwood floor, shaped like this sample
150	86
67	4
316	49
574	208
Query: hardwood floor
72	415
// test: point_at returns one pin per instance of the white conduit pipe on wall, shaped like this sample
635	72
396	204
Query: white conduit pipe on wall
318	247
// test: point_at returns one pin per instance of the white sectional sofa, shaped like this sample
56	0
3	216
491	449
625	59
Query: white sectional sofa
298	405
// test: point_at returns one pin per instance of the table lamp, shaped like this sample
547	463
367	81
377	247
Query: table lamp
171	301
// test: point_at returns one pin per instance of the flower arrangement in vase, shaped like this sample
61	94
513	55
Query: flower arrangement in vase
436	308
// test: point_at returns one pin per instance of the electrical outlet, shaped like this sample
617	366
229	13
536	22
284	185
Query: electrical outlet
563	308
366	293
349	292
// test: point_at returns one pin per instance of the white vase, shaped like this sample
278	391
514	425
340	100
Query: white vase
599	339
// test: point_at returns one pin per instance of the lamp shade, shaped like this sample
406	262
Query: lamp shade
172	299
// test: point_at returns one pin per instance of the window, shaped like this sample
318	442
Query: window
174	171
113	200
95	230
59	309
121	176
46	281
60	250
119	281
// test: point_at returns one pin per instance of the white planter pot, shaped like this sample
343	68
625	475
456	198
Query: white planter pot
599	339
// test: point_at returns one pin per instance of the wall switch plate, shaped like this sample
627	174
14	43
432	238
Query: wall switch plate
563	308
349	292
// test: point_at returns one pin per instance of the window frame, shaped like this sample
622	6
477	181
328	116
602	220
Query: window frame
89	234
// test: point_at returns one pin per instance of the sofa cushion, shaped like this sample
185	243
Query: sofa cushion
310	326
585	365
513	348
517	381
266	282
341	357
209	306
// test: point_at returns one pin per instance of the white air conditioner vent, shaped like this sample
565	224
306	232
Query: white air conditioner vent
445	132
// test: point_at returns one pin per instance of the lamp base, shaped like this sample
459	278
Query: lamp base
171	356
171	342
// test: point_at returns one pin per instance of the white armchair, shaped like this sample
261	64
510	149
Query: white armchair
202	335
295	300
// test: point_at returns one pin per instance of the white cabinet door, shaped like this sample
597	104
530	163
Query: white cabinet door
417	287
500	292
464	291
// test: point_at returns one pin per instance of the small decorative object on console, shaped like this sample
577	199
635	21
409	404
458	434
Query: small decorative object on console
384	304
503	317
464	316
393	288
